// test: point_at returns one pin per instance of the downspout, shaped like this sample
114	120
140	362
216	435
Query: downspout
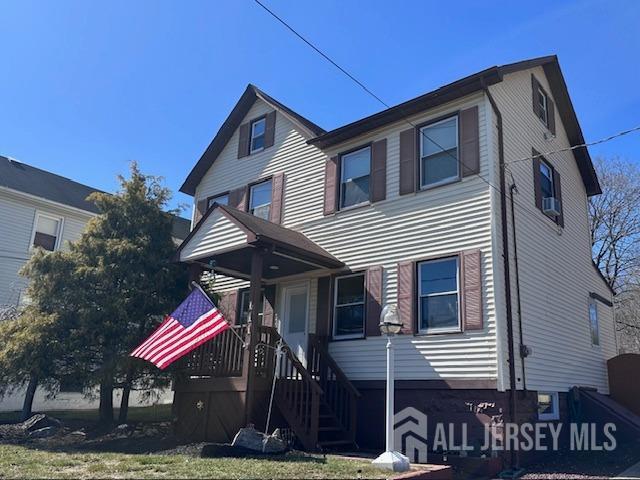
523	349
513	409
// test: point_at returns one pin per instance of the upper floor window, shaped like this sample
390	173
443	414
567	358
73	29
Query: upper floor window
258	129
260	199
46	232
439	153
542	105
348	313
219	199
354	177
593	322
546	180
438	292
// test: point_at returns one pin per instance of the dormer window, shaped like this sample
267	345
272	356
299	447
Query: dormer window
258	129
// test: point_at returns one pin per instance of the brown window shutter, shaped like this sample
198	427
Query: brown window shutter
238	198
268	307
201	209
407	296
534	97
228	305
551	113
379	170
270	129
277	197
243	140
323	307
331	185
469	141
537	189
374	301
471	302
558	192
408	161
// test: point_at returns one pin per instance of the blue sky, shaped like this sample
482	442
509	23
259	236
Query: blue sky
88	86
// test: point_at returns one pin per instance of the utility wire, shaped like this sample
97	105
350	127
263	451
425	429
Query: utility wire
535	214
574	147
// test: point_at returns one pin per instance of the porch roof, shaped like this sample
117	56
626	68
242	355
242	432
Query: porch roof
227	236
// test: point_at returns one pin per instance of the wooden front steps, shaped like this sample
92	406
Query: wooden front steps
317	400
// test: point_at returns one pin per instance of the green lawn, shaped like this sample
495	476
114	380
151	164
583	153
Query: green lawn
22	462
153	413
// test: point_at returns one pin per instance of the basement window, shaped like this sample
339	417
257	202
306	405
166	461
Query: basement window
548	408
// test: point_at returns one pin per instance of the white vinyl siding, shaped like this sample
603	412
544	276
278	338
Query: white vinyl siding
436	222
556	272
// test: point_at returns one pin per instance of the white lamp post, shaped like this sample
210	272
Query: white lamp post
390	460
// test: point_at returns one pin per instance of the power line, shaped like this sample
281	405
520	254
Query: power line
366	89
574	147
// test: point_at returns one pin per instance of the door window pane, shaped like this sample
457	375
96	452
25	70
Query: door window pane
297	312
354	181
439	152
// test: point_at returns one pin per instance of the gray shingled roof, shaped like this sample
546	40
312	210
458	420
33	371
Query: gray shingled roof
40	183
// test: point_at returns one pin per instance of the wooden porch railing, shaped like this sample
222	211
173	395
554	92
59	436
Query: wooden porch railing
222	356
339	393
298	395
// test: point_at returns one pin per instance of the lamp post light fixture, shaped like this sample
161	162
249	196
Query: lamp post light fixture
390	460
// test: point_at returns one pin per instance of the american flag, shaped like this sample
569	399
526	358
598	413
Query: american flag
194	322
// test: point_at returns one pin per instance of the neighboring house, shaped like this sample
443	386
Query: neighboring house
41	209
403	207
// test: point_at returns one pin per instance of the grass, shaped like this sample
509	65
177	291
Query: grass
153	413
22	462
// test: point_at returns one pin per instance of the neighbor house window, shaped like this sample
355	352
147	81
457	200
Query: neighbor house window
354	177
258	128
439	153
46	232
546	180
548	408
348	313
438	292
593	322
543	106
245	300
260	199
219	199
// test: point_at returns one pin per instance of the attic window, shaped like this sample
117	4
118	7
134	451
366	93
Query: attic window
258	129
543	106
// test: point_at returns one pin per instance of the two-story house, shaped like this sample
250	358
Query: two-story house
42	209
442	206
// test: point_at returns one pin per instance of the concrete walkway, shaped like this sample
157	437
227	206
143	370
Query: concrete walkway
633	472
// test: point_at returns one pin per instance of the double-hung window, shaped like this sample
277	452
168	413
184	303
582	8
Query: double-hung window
258	128
219	199
438	293
543	106
439	162
46	232
546	180
260	199
349	308
354	177
593	322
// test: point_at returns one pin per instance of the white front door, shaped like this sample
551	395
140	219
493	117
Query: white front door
295	318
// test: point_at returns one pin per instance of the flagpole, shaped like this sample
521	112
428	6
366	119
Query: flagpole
195	285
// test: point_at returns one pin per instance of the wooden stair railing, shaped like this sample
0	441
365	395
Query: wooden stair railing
297	394
222	356
340	394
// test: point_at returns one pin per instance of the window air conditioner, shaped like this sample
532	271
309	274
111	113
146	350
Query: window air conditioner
551	206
